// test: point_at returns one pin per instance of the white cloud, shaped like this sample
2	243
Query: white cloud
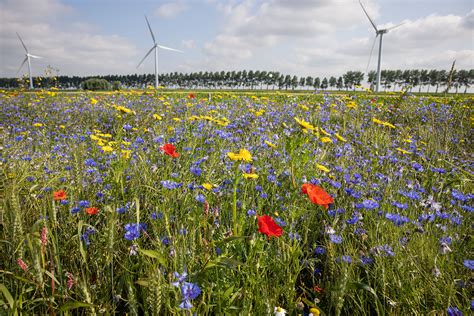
325	37
74	49
171	9
189	44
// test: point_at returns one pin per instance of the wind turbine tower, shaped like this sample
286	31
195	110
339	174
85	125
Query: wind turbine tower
378	32
28	57
155	47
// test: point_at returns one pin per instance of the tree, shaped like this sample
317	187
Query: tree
332	82
317	83
324	83
309	81
340	83
95	84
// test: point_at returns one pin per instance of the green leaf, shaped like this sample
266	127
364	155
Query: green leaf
153	254
7	295
73	305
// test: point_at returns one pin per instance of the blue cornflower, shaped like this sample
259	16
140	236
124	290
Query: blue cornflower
89	162
459	196
84	203
454	311
346	259
469	264
335	238
280	222
417	167
397	219
85	236
366	260
319	250
170	184
75	210
399	205
133	230
200	198
189	291
370	204
196	170
251	213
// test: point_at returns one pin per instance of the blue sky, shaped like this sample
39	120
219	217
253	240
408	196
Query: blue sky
302	37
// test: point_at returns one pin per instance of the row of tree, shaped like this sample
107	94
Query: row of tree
390	80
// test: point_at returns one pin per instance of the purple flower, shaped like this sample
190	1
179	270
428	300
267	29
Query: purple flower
469	264
454	311
335	238
133	230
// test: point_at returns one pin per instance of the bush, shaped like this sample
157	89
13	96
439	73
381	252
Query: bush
95	84
116	85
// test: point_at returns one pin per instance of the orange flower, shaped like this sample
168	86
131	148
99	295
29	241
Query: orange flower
267	226
169	150
91	210
317	195
59	195
191	96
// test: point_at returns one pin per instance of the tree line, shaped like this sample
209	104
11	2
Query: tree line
413	80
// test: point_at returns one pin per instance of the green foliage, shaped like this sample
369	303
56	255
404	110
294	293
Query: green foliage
95	84
79	263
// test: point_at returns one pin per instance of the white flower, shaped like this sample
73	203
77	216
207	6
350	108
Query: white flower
444	248
279	311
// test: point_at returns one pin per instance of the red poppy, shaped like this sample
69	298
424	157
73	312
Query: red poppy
59	195
317	195
267	226
191	96
169	150
91	210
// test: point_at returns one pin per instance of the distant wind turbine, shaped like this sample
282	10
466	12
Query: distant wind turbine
378	32
155	47
27	59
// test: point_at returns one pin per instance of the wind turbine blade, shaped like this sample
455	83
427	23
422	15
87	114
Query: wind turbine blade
394	27
151	32
149	52
371	51
24	61
371	22
34	56
169	48
24	46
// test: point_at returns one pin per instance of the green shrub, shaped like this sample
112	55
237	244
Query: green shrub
116	85
95	84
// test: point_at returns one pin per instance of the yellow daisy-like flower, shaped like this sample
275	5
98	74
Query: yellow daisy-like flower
37	125
377	121
313	311
126	153
250	176
403	151
324	132
93	101
326	140
107	149
243	154
351	105
342	139
157	117
270	144
304	124
207	186
322	168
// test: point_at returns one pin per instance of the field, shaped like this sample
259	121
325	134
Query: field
143	202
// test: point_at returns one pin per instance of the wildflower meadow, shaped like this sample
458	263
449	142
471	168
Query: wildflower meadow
149	202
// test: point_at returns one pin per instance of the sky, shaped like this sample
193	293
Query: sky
299	37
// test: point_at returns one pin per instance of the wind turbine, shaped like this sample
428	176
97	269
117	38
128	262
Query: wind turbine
155	47
378	32
27	59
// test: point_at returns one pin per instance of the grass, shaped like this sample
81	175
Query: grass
395	241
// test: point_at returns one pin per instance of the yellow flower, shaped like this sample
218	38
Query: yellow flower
243	154
62	126
326	140
207	186
107	149
351	105
322	168
176	119
126	153
270	144
37	125
403	151
324	132
250	175
157	117
304	124
124	109
342	139
93	101
313	311
377	121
